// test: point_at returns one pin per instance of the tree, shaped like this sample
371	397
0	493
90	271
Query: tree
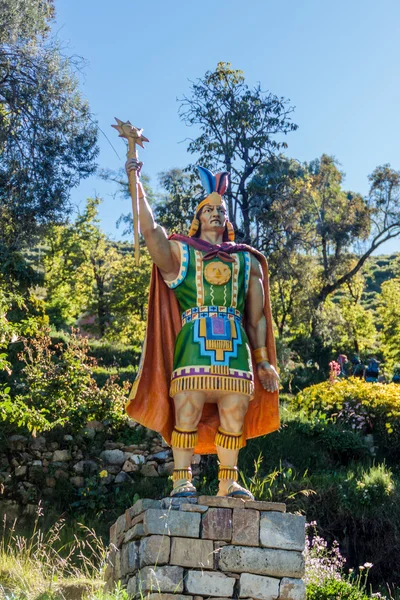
87	273
24	19
48	139
238	127
303	209
79	270
389	319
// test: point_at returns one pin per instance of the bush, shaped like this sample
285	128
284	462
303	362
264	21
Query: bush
56	387
361	406
333	589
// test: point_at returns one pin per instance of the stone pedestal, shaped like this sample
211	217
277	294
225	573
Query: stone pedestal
209	547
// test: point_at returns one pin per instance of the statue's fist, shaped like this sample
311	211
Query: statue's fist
268	376
132	164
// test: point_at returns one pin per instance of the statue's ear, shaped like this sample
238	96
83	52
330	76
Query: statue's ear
222	181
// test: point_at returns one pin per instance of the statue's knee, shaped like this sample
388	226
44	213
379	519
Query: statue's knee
232	415
188	414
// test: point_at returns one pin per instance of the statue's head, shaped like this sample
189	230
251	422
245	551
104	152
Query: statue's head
212	212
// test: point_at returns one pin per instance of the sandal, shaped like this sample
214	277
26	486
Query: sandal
184	490
237	491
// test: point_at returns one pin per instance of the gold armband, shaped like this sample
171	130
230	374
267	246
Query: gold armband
260	354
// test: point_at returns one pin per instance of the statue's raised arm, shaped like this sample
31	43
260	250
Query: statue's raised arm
164	253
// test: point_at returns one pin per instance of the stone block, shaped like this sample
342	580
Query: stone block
167	597
129	558
142	505
258	587
221	501
176	503
194	508
292	589
246	527
261	561
113	457
187	552
171	522
160	579
131	588
130	522
154	550
21	471
209	584
117	532
266	506
136	532
149	471
61	456
129	467
283	531
217	524
117	566
217	548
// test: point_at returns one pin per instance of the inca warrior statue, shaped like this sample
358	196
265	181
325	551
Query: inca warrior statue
207	379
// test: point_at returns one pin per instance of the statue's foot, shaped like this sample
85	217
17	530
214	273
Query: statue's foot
237	491
185	489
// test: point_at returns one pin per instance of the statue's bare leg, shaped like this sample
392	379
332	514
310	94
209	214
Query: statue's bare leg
232	411
188	410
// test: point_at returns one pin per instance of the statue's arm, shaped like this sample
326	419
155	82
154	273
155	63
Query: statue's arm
256	325
164	253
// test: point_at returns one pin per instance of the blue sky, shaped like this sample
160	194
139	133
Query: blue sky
337	62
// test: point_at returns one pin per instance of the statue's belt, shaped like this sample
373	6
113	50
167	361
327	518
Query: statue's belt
201	312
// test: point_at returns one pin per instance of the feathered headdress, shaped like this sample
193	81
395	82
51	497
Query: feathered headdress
215	186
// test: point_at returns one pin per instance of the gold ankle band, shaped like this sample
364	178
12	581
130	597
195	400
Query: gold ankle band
182	474
229	441
184	439
228	473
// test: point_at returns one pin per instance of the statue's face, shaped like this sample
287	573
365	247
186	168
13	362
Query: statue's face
213	218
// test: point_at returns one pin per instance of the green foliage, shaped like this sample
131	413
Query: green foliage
389	319
24	19
39	564
87	275
57	388
49	141
359	405
332	589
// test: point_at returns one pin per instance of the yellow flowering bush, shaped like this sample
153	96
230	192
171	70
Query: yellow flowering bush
364	407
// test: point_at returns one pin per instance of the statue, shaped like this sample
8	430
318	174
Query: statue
207	379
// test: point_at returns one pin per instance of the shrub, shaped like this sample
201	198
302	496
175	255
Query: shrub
56	387
361	406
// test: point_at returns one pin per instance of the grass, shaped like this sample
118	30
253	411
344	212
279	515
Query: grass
40	566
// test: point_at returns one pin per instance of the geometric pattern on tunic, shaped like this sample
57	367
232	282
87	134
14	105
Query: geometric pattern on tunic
218	339
184	251
199	278
247	262
199	312
235	280
211	370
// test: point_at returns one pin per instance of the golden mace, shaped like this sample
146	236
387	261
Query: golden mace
135	138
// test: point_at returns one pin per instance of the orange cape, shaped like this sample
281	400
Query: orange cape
149	401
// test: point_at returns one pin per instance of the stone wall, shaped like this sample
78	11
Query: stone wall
34	469
210	547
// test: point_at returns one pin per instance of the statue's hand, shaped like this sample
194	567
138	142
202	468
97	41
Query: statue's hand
132	164
268	376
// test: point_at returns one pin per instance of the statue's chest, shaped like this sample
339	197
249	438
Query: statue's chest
216	282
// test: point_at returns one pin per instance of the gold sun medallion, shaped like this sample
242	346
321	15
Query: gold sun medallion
217	273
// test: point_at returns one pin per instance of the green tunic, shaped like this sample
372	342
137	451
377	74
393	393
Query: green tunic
212	350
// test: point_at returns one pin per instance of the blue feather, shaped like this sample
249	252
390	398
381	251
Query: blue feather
208	180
